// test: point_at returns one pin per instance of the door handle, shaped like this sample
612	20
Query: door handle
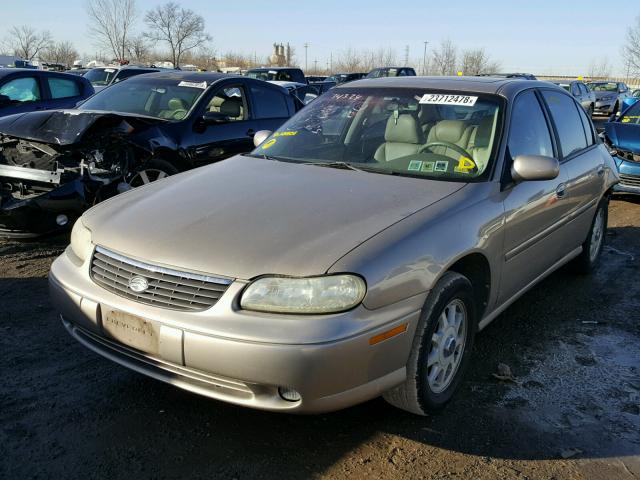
600	171
251	132
561	190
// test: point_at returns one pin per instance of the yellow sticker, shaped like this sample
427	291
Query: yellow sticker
464	165
626	120
269	144
285	134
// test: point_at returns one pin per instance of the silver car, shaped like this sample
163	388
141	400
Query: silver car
583	94
609	96
355	253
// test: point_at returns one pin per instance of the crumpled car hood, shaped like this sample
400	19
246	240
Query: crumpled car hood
245	217
625	136
60	127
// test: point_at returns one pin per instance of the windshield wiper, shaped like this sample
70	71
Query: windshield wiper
340	165
267	157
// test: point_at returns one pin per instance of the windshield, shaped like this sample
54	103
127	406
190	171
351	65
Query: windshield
101	76
604	87
267	75
169	99
632	114
566	86
440	135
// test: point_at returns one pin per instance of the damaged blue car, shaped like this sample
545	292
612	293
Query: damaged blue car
622	137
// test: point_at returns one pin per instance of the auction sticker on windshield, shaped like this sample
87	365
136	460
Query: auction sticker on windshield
202	85
448	99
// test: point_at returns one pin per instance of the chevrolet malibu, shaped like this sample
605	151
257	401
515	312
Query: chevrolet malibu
354	253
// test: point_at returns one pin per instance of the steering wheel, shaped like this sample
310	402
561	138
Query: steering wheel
450	145
178	114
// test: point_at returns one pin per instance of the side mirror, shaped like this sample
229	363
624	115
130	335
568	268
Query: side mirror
534	167
261	136
4	101
210	118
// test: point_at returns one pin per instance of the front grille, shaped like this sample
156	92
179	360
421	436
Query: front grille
167	288
629	180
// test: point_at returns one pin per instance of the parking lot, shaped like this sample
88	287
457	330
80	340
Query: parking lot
573	411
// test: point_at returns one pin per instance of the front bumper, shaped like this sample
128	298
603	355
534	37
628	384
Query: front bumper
629	177
243	357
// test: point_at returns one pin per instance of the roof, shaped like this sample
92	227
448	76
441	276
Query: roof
8	71
471	84
185	75
273	68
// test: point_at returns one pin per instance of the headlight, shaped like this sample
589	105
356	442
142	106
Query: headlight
326	294
81	240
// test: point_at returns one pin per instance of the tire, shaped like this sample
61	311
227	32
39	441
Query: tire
417	394
151	171
592	246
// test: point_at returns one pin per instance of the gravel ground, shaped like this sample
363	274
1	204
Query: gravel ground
572	344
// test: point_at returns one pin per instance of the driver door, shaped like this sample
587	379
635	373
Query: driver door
212	142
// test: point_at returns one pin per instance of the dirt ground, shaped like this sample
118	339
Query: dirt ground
573	344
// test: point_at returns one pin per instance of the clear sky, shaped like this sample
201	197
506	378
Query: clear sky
541	36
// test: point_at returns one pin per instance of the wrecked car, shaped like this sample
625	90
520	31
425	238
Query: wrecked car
55	164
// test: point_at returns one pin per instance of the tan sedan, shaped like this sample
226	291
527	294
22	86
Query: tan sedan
355	253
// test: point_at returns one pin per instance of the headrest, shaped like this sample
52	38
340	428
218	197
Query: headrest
483	133
450	130
231	107
217	101
404	129
177	104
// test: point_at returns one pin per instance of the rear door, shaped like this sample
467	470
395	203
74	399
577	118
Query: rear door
25	91
581	159
533	209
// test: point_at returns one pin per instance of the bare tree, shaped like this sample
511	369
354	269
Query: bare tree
182	29
62	52
27	43
599	68
444	59
111	22
477	61
138	49
348	61
631	49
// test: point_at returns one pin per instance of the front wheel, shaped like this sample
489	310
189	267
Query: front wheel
592	246
151	171
441	347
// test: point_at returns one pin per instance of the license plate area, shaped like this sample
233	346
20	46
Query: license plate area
131	330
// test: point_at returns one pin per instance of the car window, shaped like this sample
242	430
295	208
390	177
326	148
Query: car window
101	76
268	102
63	87
631	114
588	128
229	101
24	89
131	72
529	133
584	89
444	135
165	98
575	89
566	118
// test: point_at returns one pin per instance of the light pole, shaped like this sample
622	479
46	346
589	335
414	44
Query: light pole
424	59
306	47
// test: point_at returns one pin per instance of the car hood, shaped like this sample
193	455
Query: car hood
67	127
625	136
245	217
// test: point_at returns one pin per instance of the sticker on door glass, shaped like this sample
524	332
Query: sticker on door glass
448	99
201	85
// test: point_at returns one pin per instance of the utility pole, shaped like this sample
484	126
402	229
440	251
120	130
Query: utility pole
330	62
424	59
306	47
315	65
406	55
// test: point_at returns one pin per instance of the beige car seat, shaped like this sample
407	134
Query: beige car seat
232	108
451	131
403	136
